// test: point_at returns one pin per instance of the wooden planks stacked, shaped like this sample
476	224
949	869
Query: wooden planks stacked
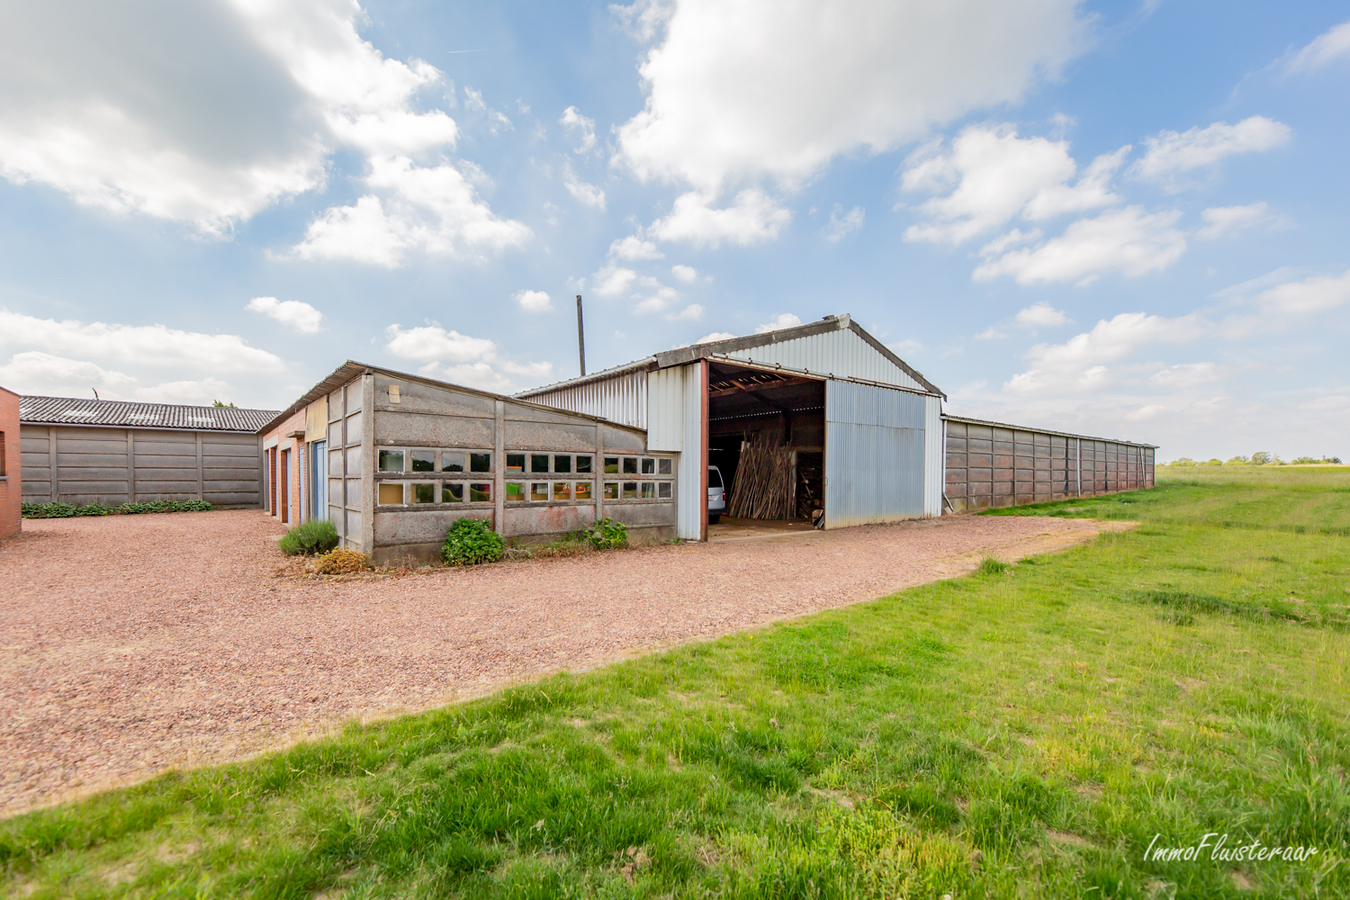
763	488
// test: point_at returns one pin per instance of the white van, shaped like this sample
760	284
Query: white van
717	495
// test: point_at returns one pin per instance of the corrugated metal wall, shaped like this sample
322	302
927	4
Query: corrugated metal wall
933	468
692	502
112	466
840	353
621	398
874	454
989	465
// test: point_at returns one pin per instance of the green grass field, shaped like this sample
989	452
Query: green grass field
1023	732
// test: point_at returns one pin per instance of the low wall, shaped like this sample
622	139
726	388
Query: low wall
990	464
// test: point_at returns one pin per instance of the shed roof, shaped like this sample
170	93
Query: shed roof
351	369
123	414
714	349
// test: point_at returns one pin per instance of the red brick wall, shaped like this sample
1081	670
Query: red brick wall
296	459
10	520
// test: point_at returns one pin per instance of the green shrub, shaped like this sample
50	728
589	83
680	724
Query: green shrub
310	538
69	510
164	506
991	566
607	534
472	541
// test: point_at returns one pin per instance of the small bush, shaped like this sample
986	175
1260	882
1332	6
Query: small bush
991	566
310	538
471	541
607	534
69	510
164	506
342	562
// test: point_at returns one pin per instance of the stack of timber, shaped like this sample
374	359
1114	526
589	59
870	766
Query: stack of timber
809	479
764	487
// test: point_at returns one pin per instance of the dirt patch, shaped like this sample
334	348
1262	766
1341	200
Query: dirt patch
132	644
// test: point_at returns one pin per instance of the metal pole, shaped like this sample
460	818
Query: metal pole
581	338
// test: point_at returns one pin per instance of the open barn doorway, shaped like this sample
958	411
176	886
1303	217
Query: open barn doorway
766	439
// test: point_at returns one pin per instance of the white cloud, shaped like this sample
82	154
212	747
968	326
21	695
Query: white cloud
990	334
1326	47
841	226
1082	363
581	127
1221	220
293	313
200	113
612	280
461	359
1041	315
730	99
634	248
1171	154
782	320
995	176
691	313
1127	241
754	217
35	372
198	393
716	336
533	301
432	342
588	194
154	345
431	209
657	297
686	274
1312	295
1186	375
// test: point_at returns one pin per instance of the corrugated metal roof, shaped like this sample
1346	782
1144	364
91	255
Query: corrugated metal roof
826	359
122	414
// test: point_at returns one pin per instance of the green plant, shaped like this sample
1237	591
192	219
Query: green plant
342	562
471	541
991	566
164	506
310	538
69	510
607	534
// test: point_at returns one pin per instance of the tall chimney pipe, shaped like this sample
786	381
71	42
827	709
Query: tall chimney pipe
581	338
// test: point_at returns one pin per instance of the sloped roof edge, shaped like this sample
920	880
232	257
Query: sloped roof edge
74	411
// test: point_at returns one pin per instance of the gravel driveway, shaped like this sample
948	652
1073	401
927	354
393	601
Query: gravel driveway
130	644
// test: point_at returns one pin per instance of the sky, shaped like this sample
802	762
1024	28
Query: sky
1118	219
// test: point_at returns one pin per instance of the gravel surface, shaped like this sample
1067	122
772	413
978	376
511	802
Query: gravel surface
130	644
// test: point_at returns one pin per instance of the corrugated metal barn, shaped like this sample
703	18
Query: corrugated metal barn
865	432
113	452
863	428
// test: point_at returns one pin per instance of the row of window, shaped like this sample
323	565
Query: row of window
398	493
414	461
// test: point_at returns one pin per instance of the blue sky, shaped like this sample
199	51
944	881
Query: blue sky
1119	219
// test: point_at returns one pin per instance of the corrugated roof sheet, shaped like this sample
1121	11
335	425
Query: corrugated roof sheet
70	411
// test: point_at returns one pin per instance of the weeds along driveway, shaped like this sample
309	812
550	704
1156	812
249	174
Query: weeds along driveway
130	644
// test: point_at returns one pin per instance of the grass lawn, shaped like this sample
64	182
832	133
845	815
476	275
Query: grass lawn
1023	732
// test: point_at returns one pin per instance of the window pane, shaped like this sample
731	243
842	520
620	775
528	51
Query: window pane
480	493
630	490
424	493
515	462
583	490
539	491
663	490
562	464
480	462
649	467
583	465
562	490
391	461
515	492
424	461
391	493
452	492
611	490
611	465
663	467
539	462
648	490
630	465
452	461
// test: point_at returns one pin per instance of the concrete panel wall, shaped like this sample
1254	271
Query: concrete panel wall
874	454
11	464
990	465
111	466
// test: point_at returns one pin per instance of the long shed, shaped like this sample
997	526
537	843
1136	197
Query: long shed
113	452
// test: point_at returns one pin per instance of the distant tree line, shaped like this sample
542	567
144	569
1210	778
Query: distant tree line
1259	458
